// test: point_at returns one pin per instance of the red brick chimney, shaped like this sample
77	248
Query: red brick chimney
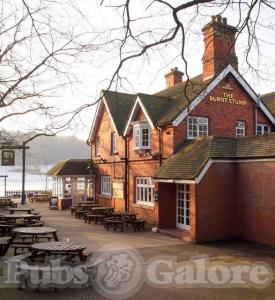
173	77
219	41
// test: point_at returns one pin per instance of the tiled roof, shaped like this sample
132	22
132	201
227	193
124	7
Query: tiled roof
72	167
269	101
188	162
120	105
162	107
181	95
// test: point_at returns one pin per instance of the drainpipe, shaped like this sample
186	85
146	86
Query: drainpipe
94	175
160	145
126	169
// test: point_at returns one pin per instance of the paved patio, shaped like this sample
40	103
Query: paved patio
149	245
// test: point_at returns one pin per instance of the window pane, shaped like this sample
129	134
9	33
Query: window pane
197	126
145	190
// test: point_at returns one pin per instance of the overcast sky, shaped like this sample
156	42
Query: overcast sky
146	74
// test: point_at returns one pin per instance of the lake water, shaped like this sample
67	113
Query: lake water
35	178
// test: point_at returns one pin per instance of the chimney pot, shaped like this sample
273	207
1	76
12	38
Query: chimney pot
173	77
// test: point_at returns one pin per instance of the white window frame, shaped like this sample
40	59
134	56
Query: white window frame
195	127
106	186
261	129
145	191
240	129
114	139
139	136
183	214
97	146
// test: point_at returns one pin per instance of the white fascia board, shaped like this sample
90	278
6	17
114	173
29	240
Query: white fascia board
213	84
203	171
211	161
164	180
95	121
133	114
174	181
145	113
108	110
208	165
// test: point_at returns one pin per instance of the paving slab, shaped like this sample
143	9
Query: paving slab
150	245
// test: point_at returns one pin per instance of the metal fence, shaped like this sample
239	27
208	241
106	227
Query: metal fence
29	193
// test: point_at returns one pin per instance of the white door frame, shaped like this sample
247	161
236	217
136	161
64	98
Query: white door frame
182	225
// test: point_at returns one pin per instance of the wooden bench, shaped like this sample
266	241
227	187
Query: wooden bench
113	223
35	224
138	225
6	229
73	209
95	218
79	213
4	245
20	245
37	238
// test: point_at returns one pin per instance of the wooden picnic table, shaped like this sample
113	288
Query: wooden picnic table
13	217
26	210
90	205
125	214
79	203
67	248
6	201
102	208
35	232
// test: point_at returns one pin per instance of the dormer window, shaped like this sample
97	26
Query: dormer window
142	135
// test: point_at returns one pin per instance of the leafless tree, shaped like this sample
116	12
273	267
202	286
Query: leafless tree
37	50
38	46
151	26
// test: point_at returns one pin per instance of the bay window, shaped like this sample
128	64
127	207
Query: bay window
142	137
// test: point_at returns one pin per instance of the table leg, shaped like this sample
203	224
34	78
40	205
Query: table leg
81	256
55	236
34	253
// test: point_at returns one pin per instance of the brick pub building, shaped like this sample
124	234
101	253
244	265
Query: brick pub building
196	159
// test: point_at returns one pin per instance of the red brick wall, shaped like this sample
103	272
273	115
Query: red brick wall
216	204
256	201
167	205
104	132
236	200
142	169
222	117
168	209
